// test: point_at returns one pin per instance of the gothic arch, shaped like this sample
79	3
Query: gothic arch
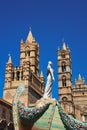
13	75
64	98
63	65
64	81
63	55
27	50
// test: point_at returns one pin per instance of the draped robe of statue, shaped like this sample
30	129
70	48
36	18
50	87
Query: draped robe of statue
50	78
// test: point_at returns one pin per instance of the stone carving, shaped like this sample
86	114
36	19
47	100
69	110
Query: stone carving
50	78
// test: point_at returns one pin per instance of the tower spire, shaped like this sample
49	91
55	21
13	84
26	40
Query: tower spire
9	59
41	74
79	77
64	44
30	37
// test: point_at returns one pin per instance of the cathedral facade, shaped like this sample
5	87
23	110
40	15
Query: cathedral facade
72	98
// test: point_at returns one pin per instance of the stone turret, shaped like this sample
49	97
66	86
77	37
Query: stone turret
30	48
80	82
65	78
8	73
64	46
42	76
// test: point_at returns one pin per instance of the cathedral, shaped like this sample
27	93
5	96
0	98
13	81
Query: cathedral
73	99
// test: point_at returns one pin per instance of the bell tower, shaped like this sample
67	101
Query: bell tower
65	78
30	49
8	73
27	72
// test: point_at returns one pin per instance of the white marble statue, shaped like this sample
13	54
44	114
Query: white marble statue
50	78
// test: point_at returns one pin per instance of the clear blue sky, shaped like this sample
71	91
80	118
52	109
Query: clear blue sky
51	20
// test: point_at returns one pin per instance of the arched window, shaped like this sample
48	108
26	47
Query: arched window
21	74
79	86
18	75
64	81
63	55
27	53
12	75
63	67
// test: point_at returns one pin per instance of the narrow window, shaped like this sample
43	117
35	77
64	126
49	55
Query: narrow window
18	75
79	86
22	75
63	67
12	75
63	55
64	81
27	53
